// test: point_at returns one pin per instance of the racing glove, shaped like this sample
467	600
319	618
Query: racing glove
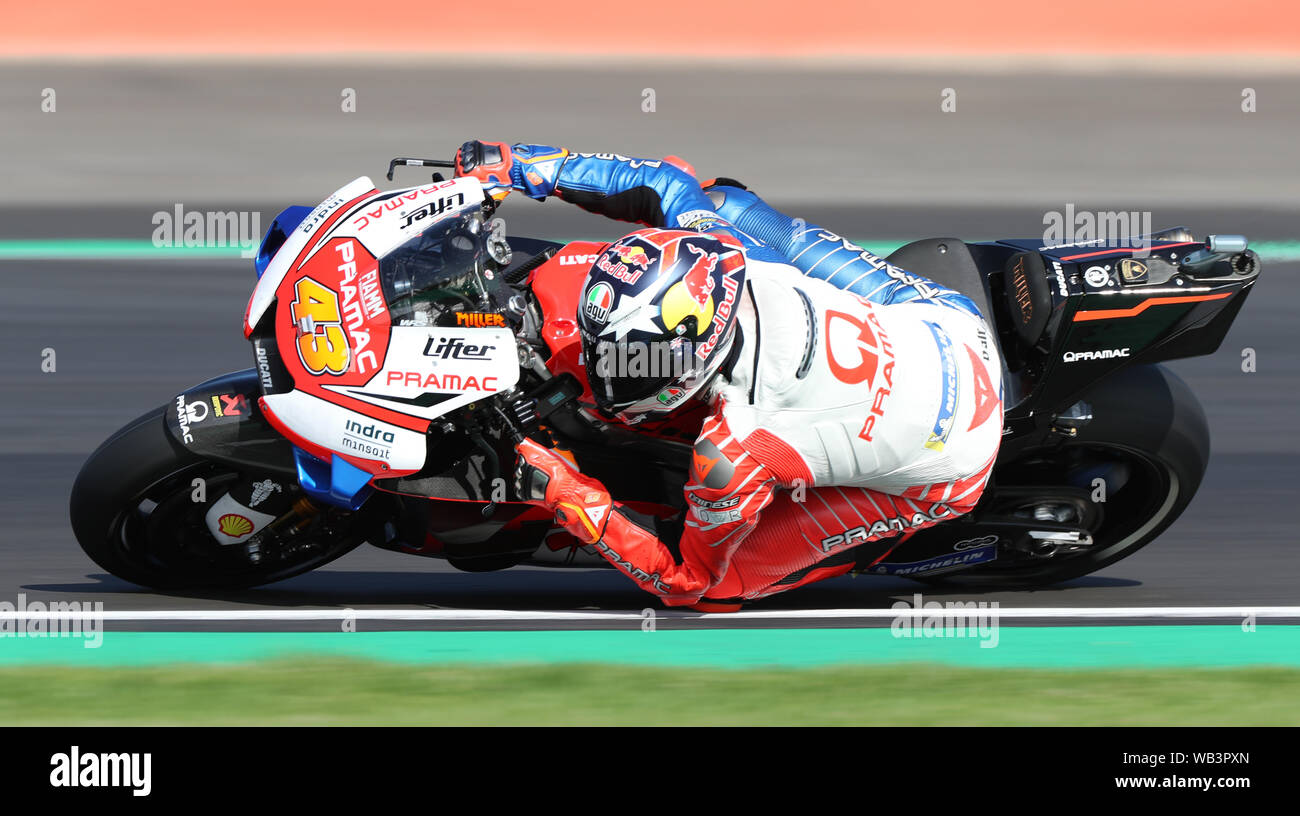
581	504
490	163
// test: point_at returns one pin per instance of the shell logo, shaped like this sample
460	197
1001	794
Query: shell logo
234	525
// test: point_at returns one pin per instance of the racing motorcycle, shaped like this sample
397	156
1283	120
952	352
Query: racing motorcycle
403	343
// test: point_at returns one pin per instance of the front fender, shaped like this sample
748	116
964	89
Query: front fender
220	420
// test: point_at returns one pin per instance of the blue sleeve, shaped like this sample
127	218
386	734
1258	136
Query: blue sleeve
820	253
652	192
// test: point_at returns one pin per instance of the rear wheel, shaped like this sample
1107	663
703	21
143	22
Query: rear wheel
1126	477
138	508
1122	498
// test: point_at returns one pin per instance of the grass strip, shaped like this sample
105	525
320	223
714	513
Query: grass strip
358	692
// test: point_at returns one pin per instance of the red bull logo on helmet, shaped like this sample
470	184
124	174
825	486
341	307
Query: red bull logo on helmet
692	296
730	290
624	263
679	304
699	278
633	256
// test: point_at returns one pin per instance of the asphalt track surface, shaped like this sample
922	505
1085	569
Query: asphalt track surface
130	334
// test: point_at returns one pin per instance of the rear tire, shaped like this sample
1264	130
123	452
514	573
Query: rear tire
132	512
1145	417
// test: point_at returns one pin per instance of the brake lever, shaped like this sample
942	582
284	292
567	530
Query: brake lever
513	425
516	436
407	161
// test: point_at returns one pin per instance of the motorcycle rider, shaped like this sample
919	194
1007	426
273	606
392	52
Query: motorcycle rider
851	401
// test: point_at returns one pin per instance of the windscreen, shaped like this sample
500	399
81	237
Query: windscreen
444	271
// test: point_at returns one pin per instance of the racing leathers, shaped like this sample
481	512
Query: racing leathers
861	403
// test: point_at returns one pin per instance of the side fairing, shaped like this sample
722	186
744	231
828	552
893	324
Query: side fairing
364	390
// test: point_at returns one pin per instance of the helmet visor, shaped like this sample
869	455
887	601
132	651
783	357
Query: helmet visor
624	373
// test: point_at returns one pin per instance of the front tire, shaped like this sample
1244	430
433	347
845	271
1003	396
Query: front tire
133	511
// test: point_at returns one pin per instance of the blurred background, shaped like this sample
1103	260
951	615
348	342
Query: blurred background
885	122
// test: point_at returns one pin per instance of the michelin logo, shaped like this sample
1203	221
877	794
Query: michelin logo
942	563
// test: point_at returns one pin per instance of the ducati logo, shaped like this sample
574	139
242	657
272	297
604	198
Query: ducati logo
577	260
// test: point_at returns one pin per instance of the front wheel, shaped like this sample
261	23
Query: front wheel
138	507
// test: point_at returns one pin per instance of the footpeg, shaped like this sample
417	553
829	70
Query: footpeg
1047	543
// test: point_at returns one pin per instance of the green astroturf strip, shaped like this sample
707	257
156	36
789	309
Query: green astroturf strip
69	249
337	691
1071	647
132	249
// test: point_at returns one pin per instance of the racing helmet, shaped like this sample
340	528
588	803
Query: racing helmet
657	317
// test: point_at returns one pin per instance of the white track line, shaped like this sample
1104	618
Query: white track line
1094	613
